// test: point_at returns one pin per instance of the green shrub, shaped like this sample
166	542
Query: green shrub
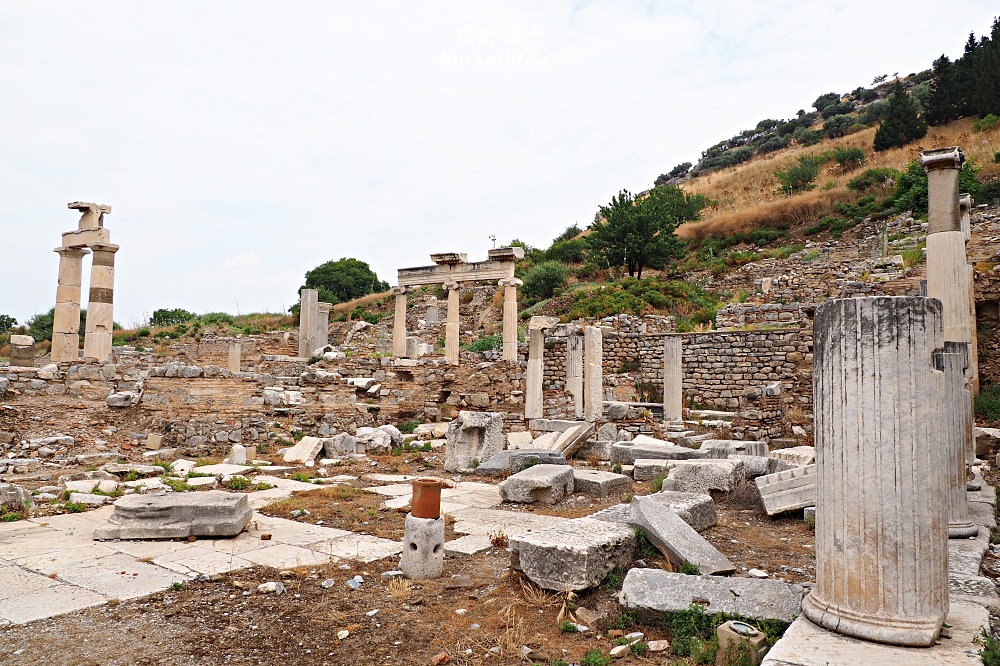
485	343
988	402
848	158
656	483
595	658
407	427
568	627
542	280
872	178
571	251
237	483
911	187
164	317
639	648
643	548
989	651
689	569
613	580
799	177
987	123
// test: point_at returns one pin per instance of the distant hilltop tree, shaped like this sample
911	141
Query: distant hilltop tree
164	317
344	280
901	124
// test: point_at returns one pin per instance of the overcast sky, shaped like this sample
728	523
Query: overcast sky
241	144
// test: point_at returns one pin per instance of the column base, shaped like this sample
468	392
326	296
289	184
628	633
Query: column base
962	530
97	344
880	629
65	347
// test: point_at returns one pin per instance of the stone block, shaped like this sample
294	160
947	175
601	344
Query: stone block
573	438
652	592
519	440
211	513
573	555
788	491
304	451
340	445
646	469
723	448
14	498
594	450
373	440
154	441
761	466
987	439
508	462
695	509
600	484
88	499
700	476
547	484
673	537
628	453
800	456
545	441
473	436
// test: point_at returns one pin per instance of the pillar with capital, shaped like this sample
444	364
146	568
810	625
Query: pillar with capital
100	305
66	322
510	286
451	327
399	323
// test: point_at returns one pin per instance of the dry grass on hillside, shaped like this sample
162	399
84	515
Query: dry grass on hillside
747	196
347	306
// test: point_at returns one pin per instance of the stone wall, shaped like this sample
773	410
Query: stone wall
768	315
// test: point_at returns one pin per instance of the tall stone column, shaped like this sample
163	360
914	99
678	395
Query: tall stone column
593	373
965	206
953	361
399	324
322	335
673	379
308	314
881	476
66	322
100	306
452	324
233	362
533	396
510	286
574	372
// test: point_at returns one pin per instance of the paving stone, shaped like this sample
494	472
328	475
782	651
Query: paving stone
977	589
983	514
470	544
675	538
222	469
284	556
203	561
965	556
120	576
652	592
574	555
600	484
547	484
504	463
57	599
700	476
210	513
71	552
361	547
789	490
474	520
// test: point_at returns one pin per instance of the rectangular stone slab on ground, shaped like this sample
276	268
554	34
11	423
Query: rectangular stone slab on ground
700	476
541	483
695	509
598	483
652	592
675	538
211	513
627	453
574	555
789	490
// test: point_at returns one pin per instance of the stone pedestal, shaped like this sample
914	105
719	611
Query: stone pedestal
953	361
308	314
433	314
22	351
235	355
882	493
574	372
593	373
451	327
673	379
100	308
66	321
510	286
423	547
399	324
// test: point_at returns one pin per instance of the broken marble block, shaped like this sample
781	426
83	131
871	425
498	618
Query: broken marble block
653	592
723	448
508	462
628	453
799	456
304	451
473	436
695	509
571	439
14	498
519	440
647	469
700	476
546	484
600	484
573	555
673	537
789	490
340	445
373	440
761	466
212	513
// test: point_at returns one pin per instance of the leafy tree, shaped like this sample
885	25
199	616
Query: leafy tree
40	326
881	78
837	109
911	187
799	177
826	100
544	278
165	317
568	252
901	124
6	323
571	232
344	280
837	125
680	170
873	113
639	231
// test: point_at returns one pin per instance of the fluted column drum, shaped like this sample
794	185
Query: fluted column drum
881	477
953	361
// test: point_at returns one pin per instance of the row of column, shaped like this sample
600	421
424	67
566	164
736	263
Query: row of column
584	369
452	323
100	306
314	322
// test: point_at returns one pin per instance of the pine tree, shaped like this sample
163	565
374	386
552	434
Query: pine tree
901	124
944	104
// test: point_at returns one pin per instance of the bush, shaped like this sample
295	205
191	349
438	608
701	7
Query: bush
987	123
7	322
848	158
799	177
988	403
164	317
873	114
911	188
485	343
571	251
872	178
806	137
542	280
838	125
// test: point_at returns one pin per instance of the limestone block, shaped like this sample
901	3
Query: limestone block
14	498
154	441
800	456
507	462
87	499
210	513
600	484
473	436
699	476
629	452
123	398
646	469
673	537
788	491
608	432
340	445
547	484
373	440
395	436
756	466
519	440
423	547
304	451
545	441
987	439
652	592
695	509
572	555
573	438
237	455
723	448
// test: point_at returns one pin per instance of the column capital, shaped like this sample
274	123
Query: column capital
451	285
942	158
101	247
71	251
401	291
510	282
965	202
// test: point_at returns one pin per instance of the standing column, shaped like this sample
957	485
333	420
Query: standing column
574	372
322	335
953	361
965	205
510	286
451	327
399	324
66	322
881	478
593	373
308	314
533	407
100	306
235	357
673	379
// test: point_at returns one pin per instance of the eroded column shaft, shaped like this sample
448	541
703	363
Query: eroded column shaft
100	306
673	379
66	321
